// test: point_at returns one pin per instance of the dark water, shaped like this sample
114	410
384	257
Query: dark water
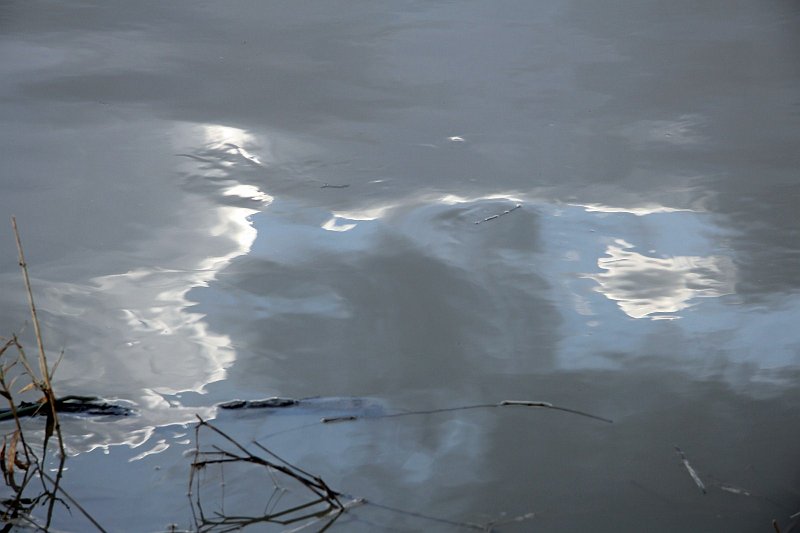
248	199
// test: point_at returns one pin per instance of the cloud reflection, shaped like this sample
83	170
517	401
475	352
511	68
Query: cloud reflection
355	215
639	210
656	288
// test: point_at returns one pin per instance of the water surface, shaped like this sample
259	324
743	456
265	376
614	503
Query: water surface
258	199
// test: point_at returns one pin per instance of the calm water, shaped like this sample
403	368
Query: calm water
249	199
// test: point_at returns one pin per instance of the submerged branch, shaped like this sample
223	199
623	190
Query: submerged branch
86	405
307	513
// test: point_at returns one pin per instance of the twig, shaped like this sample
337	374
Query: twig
32	461
504	403
691	470
332	516
323	494
74	502
466	525
36	328
46	386
507	211
21	507
548	405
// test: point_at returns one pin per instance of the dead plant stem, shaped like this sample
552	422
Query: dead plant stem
34	315
47	387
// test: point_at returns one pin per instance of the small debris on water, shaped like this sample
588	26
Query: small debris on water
327	420
507	211
692	472
734	490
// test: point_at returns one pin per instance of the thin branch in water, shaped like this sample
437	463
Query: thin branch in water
507	211
332	516
307	514
74	502
548	405
466	525
310	509
21	507
691	470
504	403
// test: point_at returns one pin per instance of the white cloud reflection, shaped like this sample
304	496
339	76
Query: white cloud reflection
639	210
342	221
656	288
334	224
453	199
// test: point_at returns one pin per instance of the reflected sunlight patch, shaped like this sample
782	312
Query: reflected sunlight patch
234	138
219	134
655	288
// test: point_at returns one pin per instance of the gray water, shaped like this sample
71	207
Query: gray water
253	199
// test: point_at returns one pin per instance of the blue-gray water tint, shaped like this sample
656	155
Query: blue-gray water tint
248	199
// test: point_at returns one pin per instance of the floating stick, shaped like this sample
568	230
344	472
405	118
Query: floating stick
734	490
691	470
